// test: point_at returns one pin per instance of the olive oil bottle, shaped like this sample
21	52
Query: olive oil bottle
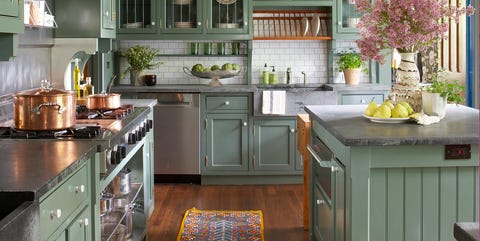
76	78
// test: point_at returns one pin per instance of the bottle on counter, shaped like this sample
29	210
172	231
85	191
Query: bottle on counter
89	89
76	77
273	77
265	74
81	83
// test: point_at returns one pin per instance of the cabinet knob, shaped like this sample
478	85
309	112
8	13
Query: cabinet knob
334	169
292	130
245	23
80	188
199	23
107	13
153	23
339	23
362	101
227	102
55	214
320	202
244	123
84	222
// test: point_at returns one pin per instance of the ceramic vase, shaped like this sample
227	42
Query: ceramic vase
407	71
352	76
136	78
433	104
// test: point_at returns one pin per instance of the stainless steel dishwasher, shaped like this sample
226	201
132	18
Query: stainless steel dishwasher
176	136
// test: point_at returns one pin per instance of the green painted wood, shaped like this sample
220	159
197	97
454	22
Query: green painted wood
275	145
360	99
227	104
9	8
109	14
448	202
77	231
430	203
130	11
378	194
212	16
467	201
413	204
92	12
227	142
395	204
166	10
11	19
9	43
339	202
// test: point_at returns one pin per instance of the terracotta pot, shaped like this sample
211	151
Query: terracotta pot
44	109
103	101
352	76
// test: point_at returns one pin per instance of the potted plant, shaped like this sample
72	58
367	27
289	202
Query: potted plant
440	92
139	59
351	64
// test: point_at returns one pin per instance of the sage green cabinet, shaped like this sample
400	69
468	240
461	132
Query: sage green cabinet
85	19
362	97
11	16
79	229
345	20
275	145
137	16
226	142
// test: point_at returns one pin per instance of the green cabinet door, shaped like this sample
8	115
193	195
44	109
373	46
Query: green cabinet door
181	16
79	229
137	16
345	20
226	142
85	19
9	8
227	18
275	142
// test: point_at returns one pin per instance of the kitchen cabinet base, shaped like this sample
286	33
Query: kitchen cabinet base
251	179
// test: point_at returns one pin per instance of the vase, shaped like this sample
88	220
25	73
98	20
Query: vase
407	71
433	104
136	77
352	76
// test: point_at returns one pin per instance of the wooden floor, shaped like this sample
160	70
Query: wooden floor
281	206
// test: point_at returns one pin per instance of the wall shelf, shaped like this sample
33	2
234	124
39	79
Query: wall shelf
292	25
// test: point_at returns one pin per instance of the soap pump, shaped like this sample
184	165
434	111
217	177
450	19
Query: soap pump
273	78
265	74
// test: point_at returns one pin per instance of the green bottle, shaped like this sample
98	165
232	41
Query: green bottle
265	75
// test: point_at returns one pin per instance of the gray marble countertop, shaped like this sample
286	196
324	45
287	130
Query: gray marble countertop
467	231
248	88
345	122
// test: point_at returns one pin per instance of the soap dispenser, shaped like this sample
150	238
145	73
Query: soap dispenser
273	78
265	74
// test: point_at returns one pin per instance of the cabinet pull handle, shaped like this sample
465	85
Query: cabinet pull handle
292	130
320	202
244	123
200	23
206	161
227	102
160	23
106	13
245	23
80	188
153	23
84	222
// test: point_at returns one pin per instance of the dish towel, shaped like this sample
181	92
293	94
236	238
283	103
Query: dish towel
273	102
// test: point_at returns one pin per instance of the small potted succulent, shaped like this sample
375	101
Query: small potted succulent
351	64
436	95
139	59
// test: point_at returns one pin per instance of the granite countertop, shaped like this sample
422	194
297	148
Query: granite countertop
345	122
249	88
37	165
466	231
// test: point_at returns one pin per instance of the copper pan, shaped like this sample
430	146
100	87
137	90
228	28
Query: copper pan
104	101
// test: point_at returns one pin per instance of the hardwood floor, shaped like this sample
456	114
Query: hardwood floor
281	206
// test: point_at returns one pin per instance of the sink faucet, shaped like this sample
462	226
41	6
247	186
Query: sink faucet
304	77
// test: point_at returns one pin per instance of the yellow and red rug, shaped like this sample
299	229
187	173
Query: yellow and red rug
209	225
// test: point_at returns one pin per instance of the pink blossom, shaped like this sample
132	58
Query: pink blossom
408	25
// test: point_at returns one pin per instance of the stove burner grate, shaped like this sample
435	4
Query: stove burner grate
115	114
86	132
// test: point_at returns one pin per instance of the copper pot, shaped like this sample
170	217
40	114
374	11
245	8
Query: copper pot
44	109
103	101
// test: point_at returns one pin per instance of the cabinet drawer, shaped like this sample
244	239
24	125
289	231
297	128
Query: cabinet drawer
227	104
362	99
60	203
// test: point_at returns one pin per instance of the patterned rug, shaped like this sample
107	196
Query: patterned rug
206	225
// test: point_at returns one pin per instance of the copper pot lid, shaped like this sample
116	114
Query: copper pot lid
44	91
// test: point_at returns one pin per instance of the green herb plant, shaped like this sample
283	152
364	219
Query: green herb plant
140	58
453	91
350	60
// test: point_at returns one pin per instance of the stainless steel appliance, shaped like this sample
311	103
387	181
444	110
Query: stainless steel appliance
328	192
177	136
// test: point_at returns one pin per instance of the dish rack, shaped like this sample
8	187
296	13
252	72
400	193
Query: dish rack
292	25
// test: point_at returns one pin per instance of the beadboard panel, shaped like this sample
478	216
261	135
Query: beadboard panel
421	203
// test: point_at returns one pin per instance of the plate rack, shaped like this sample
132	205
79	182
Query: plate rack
291	25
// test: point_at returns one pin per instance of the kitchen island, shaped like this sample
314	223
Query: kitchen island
392	181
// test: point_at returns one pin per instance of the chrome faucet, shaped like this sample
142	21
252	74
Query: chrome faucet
304	77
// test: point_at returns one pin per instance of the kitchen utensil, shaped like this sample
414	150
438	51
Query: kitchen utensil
106	203
121	183
150	79
44	109
305	26
104	101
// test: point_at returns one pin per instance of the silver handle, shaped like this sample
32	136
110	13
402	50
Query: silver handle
227	102
80	188
319	202
55	214
60	108
84	222
334	169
